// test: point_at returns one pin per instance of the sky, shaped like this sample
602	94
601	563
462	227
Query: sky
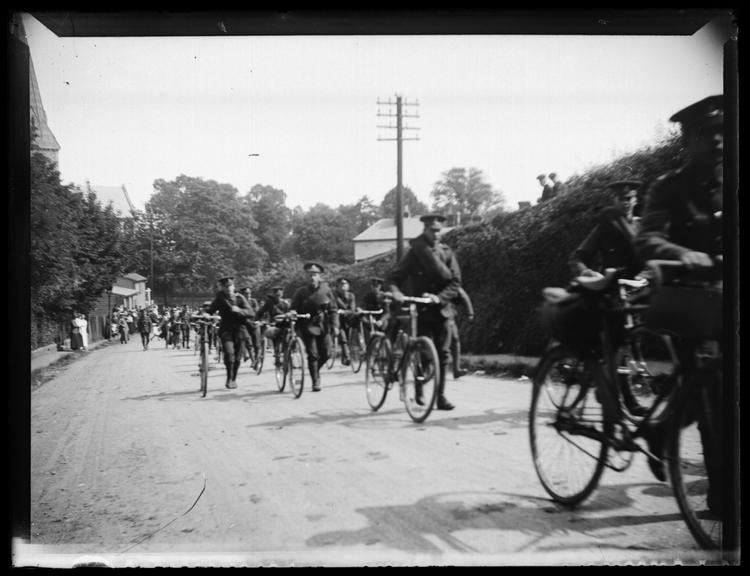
128	111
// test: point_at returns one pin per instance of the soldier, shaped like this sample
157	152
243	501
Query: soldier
682	221
253	327
611	243
234	311
274	305
346	303
429	269
373	300
316	299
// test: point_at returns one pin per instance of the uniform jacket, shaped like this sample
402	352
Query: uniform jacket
611	244
682	213
372	300
345	301
233	322
316	302
272	307
425	268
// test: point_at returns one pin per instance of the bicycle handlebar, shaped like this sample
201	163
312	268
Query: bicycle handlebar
417	300
290	316
370	312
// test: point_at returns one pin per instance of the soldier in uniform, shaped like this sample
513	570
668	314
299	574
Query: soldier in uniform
346	303
611	243
429	269
273	306
234	311
682	221
253	327
315	298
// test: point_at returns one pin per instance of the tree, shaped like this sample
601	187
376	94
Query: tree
274	219
359	216
75	246
323	234
465	193
201	229
410	202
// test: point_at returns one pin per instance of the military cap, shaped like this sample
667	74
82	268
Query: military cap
275	288
703	112
342	279
376	280
313	267
245	289
432	217
226	279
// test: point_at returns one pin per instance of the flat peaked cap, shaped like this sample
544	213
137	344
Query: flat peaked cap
377	280
342	279
541	177
432	217
702	112
226	279
275	288
313	267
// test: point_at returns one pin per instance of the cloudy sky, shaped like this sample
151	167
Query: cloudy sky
132	110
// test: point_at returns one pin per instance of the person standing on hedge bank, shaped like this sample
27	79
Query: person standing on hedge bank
547	191
430	269
315	298
682	220
611	244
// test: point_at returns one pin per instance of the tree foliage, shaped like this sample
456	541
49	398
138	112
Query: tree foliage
76	248
274	220
323	234
201	230
465	193
409	201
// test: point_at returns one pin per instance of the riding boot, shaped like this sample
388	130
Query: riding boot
314	375
345	354
442	402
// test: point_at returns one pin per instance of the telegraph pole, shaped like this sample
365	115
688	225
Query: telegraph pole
399	127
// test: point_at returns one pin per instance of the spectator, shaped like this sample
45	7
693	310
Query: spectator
122	326
558	188
76	340
547	191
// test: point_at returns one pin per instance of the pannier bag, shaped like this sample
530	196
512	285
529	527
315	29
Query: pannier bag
571	318
686	311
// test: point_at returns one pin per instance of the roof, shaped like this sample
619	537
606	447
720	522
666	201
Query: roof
117	195
120	291
385	229
134	276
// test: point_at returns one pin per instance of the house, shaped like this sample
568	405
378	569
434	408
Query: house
381	237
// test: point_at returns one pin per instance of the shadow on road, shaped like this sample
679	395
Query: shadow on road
434	523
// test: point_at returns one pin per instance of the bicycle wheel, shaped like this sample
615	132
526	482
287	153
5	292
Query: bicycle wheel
332	352
645	364
377	362
295	366
356	348
261	352
420	376
566	428
279	369
398	352
204	369
696	424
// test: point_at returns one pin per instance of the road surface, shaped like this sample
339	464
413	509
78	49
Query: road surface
130	466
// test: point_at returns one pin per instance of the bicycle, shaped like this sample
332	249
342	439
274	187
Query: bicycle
334	349
204	324
293	355
579	424
359	335
263	344
411	361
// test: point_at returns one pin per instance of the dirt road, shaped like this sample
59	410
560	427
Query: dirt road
122	446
